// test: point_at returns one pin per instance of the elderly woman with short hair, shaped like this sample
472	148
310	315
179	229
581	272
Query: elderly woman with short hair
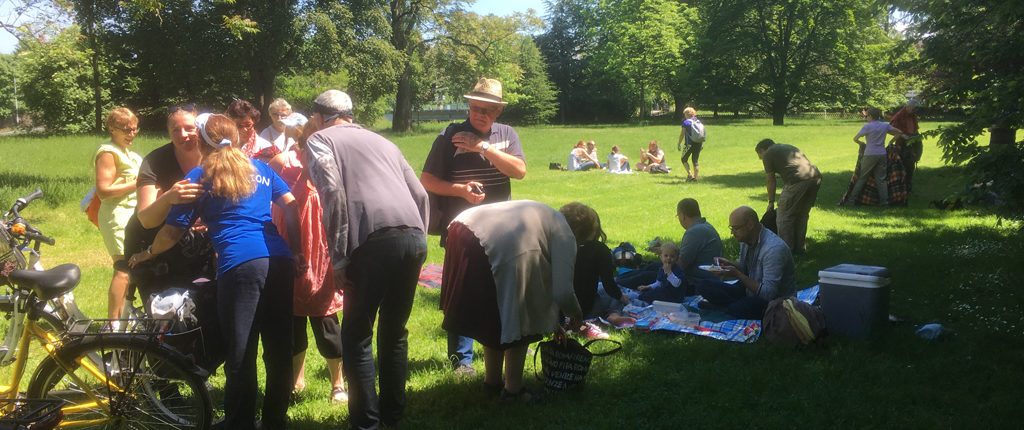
116	168
275	132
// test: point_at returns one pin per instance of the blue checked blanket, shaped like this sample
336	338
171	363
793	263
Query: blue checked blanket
746	331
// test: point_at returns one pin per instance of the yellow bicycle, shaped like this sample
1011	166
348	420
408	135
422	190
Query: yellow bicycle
123	377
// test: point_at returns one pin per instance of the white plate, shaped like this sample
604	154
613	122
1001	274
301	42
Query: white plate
711	268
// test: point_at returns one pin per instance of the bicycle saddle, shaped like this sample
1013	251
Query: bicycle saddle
48	284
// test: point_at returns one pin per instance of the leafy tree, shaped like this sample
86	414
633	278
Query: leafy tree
974	50
57	81
7	70
473	46
566	46
795	51
344	48
406	23
35	19
640	46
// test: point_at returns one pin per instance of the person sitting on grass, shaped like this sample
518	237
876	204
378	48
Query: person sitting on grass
765	270
580	159
671	284
594	266
617	161
652	156
592	151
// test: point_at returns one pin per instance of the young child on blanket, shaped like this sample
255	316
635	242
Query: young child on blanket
670	285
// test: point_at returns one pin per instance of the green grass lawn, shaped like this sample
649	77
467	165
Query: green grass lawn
958	268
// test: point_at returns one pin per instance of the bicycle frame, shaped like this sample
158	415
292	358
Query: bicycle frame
51	344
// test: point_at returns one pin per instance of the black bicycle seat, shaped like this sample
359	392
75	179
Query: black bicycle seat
48	284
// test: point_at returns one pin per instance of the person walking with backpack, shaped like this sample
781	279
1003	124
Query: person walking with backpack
693	133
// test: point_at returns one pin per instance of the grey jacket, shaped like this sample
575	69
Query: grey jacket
365	185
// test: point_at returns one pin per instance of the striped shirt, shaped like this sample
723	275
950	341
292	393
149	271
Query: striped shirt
456	165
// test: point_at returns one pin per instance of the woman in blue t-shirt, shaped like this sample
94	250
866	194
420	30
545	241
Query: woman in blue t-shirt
254	268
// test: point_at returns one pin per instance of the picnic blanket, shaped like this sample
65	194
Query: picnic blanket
746	331
430	276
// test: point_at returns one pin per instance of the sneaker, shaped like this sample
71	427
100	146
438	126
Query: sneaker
465	370
592	331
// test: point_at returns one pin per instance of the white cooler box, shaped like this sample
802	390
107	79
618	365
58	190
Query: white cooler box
855	299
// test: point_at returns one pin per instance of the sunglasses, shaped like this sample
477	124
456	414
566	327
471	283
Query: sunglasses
483	110
281	114
129	130
190	107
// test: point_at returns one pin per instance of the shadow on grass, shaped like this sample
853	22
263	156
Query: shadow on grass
662	379
833	185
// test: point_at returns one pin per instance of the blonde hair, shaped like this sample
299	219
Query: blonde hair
583	221
119	118
227	170
690	111
670	247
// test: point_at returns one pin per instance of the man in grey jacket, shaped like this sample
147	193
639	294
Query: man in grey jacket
764	271
374	215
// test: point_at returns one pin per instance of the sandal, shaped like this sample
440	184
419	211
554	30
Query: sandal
523	396
492	389
338	395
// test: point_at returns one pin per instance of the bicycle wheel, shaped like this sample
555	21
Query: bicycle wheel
124	382
47	320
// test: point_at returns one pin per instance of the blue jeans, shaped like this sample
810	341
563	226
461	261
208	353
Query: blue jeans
732	297
383	272
254	300
460	350
587	165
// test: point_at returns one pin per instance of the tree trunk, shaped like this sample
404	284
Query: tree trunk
96	94
680	103
779	106
402	118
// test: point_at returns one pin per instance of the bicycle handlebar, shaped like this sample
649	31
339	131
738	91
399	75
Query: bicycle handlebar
24	201
36	236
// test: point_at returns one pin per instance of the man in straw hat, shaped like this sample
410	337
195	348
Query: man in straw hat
470	164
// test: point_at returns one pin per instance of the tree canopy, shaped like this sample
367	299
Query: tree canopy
587	60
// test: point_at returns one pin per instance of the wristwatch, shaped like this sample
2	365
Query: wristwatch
484	147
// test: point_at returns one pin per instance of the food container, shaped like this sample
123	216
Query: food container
666	307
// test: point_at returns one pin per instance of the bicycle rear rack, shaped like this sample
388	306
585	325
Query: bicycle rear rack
150	327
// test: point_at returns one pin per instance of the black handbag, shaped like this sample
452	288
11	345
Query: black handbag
566	366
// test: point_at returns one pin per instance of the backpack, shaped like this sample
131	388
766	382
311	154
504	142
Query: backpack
658	169
790	322
625	255
696	132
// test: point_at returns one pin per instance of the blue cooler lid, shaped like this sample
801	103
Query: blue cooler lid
843	273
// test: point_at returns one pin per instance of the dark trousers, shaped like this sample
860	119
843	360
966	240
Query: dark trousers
383	272
254	300
733	298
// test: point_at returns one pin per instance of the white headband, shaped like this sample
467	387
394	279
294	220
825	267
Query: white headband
201	125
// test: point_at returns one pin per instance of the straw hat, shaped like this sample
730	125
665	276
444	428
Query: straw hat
486	90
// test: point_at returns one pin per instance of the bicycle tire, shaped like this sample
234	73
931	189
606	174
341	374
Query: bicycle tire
151	386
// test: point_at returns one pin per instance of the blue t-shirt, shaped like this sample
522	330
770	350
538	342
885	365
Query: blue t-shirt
240	231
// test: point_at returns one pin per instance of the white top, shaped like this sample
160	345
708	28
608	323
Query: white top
277	138
615	161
